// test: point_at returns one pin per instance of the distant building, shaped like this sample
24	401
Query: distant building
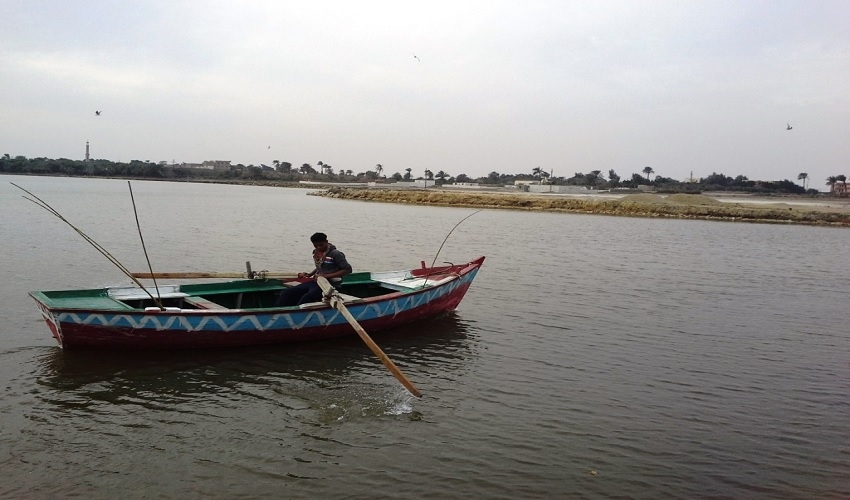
552	188
217	164
462	185
418	183
209	165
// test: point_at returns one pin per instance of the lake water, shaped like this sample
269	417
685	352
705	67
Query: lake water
593	357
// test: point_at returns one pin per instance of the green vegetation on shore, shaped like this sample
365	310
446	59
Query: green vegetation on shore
284	173
684	206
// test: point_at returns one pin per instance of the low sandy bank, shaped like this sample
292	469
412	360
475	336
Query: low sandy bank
685	206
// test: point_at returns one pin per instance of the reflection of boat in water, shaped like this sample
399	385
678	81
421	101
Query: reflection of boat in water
242	313
443	342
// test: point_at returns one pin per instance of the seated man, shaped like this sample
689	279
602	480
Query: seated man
329	262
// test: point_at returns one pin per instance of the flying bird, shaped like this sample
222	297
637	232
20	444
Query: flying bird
97	113
788	126
414	56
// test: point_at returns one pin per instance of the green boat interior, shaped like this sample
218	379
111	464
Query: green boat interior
243	294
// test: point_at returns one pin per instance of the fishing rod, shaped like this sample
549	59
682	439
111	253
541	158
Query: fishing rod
43	204
144	249
431	271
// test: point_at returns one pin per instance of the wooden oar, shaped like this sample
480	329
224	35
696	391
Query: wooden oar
337	303
192	275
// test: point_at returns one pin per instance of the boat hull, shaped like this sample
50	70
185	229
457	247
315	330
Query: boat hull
180	329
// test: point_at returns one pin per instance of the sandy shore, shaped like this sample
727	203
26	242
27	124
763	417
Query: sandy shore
713	206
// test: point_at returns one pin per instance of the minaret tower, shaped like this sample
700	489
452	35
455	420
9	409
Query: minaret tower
87	151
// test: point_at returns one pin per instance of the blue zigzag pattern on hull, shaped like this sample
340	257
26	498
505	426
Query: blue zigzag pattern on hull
264	321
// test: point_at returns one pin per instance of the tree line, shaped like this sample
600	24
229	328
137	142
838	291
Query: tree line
282	171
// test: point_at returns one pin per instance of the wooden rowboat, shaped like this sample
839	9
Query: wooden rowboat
242	312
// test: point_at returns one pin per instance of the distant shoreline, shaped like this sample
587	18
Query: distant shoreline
720	206
778	210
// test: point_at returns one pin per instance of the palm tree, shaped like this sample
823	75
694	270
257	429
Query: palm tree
428	174
323	167
536	171
407	175
830	181
442	176
648	171
379	169
803	176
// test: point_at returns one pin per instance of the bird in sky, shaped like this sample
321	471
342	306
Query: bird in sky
788	126
97	113
414	56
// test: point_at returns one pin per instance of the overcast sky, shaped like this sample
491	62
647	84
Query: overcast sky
568	86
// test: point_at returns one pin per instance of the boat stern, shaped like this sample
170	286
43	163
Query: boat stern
49	317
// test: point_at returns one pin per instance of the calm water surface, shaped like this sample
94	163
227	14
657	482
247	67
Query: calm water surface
594	357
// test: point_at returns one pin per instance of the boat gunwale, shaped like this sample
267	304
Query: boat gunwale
448	278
